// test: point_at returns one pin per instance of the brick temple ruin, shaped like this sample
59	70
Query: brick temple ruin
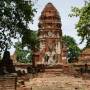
53	51
85	56
50	36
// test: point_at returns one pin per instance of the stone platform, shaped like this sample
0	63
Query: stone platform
46	81
57	77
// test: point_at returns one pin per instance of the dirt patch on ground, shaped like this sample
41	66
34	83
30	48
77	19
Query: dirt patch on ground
46	81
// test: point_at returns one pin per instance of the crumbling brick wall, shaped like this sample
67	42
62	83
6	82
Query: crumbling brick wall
7	82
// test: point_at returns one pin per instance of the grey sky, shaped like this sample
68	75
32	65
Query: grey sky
64	8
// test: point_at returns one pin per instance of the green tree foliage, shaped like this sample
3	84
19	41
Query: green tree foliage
15	15
32	45
32	42
23	55
83	25
73	49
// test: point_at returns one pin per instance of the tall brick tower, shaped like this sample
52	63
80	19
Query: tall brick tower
50	36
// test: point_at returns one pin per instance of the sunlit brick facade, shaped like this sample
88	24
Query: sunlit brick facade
50	36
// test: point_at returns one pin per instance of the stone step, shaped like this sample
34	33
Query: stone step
54	71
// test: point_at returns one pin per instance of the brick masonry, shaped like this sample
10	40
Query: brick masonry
8	82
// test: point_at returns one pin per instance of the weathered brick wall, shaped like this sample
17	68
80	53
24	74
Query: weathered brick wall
7	82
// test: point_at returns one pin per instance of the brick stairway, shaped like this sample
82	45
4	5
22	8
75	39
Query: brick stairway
54	71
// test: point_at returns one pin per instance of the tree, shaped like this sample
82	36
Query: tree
73	49
32	42
15	15
83	25
32	45
23	55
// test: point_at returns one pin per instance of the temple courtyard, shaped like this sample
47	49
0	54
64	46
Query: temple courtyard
47	81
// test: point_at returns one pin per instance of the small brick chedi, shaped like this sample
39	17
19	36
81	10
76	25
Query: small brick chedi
50	36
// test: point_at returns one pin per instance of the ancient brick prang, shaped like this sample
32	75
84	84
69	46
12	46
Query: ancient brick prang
50	35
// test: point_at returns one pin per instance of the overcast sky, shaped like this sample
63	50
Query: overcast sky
64	9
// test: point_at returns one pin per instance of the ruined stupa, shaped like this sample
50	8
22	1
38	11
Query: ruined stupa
50	36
